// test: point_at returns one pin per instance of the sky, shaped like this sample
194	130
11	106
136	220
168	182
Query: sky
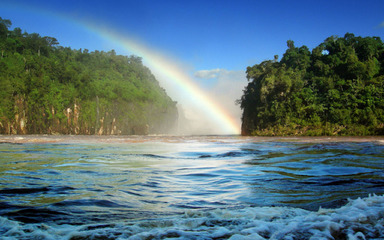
212	42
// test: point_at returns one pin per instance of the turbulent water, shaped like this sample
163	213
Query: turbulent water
202	187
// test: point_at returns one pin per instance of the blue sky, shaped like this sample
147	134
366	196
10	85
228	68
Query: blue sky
208	34
215	40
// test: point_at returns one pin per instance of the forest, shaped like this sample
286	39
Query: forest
50	89
335	89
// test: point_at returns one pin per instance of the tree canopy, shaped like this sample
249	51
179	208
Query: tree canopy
335	89
47	88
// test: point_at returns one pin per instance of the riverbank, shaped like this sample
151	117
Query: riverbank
19	139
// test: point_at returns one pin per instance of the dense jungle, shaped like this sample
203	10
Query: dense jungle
335	89
50	89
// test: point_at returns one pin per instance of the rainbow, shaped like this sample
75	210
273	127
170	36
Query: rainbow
165	69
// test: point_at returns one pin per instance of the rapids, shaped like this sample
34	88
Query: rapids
191	187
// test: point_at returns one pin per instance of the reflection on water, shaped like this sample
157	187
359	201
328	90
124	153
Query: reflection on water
84	180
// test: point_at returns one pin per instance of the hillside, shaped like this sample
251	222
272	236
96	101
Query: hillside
335	89
50	89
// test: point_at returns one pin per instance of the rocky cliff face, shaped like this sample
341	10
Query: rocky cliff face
73	120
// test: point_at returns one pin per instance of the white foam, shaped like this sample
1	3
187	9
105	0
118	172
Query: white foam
359	219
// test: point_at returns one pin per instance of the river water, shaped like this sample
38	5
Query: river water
198	187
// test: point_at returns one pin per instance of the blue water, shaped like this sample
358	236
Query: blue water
143	187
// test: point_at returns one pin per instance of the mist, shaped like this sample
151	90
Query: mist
206	98
223	86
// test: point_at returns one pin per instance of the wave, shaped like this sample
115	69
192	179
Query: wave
362	218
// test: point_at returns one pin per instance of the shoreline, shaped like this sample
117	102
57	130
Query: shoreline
43	138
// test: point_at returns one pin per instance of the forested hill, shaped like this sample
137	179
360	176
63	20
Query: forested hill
335	89
50	89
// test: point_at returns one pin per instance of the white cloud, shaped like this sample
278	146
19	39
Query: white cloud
208	74
381	25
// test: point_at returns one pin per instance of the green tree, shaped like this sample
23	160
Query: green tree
54	89
337	88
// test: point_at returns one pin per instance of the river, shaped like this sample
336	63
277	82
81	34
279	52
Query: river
191	187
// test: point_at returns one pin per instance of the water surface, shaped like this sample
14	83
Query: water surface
202	187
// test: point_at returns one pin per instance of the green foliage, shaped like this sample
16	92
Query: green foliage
337	89
47	88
